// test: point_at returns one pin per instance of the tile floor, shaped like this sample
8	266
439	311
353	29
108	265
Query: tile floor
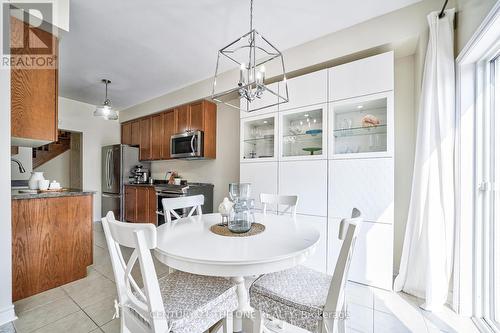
86	306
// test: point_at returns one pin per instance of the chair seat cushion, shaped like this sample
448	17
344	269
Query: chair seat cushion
297	296
193	303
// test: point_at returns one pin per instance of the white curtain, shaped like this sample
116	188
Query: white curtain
427	257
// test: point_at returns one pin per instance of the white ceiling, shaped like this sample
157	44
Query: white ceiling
151	47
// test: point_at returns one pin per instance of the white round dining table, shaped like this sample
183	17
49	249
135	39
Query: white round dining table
189	245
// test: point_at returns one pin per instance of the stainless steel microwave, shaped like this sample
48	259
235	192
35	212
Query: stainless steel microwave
187	145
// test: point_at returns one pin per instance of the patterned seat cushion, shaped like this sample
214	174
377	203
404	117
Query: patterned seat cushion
297	296
193	303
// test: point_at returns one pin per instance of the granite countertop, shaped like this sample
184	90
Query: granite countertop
16	195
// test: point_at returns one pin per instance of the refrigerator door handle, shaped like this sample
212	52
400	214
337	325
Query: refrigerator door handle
111	171
108	157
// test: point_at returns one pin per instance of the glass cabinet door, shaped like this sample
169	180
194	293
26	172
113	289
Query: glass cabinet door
302	132
258	138
362	126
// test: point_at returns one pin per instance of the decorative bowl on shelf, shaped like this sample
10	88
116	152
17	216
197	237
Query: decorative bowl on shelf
314	132
311	150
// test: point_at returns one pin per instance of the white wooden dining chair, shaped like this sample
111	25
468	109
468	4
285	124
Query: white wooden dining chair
179	302
170	205
289	201
304	297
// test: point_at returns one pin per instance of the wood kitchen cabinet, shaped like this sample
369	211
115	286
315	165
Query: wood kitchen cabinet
131	133
51	242
127	133
34	92
140	204
169	126
182	119
152	133
135	133
202	116
157	136
145	139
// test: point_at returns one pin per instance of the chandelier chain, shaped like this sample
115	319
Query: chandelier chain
251	15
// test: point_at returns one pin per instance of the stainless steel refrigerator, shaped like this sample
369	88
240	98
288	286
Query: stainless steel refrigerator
117	162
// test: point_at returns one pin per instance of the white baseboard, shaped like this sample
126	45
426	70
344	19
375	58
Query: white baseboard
7	315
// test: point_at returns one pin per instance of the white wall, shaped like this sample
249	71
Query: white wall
57	169
224	169
405	136
97	132
25	156
6	307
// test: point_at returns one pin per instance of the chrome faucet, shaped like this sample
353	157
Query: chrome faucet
19	164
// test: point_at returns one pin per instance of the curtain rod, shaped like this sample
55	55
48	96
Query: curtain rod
442	14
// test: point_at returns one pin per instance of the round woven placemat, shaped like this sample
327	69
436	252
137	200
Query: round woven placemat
223	230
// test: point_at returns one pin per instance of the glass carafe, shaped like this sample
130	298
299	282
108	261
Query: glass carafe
242	216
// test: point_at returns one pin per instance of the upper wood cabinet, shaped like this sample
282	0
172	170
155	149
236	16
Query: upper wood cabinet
157	136
169	126
34	93
152	133
182	119
135	130
127	133
145	139
196	117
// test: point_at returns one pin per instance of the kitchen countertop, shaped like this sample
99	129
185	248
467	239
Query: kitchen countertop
16	195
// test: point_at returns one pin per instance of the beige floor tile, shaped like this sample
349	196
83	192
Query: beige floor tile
359	294
75	323
102	311
101	256
97	330
90	290
38	299
112	327
100	239
45	314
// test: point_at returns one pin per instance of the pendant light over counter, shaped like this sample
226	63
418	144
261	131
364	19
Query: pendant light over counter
105	110
250	53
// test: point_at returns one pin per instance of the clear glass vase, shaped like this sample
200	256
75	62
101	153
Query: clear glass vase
242	216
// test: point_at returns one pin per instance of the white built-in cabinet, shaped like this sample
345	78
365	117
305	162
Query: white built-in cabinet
332	145
263	176
307	180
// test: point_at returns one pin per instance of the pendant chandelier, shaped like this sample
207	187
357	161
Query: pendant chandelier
105	110
251	53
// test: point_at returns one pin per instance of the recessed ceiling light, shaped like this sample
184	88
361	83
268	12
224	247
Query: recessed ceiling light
360	106
265	121
306	115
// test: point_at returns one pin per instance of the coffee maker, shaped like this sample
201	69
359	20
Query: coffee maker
139	175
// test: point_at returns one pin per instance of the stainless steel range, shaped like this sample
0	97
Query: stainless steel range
175	191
